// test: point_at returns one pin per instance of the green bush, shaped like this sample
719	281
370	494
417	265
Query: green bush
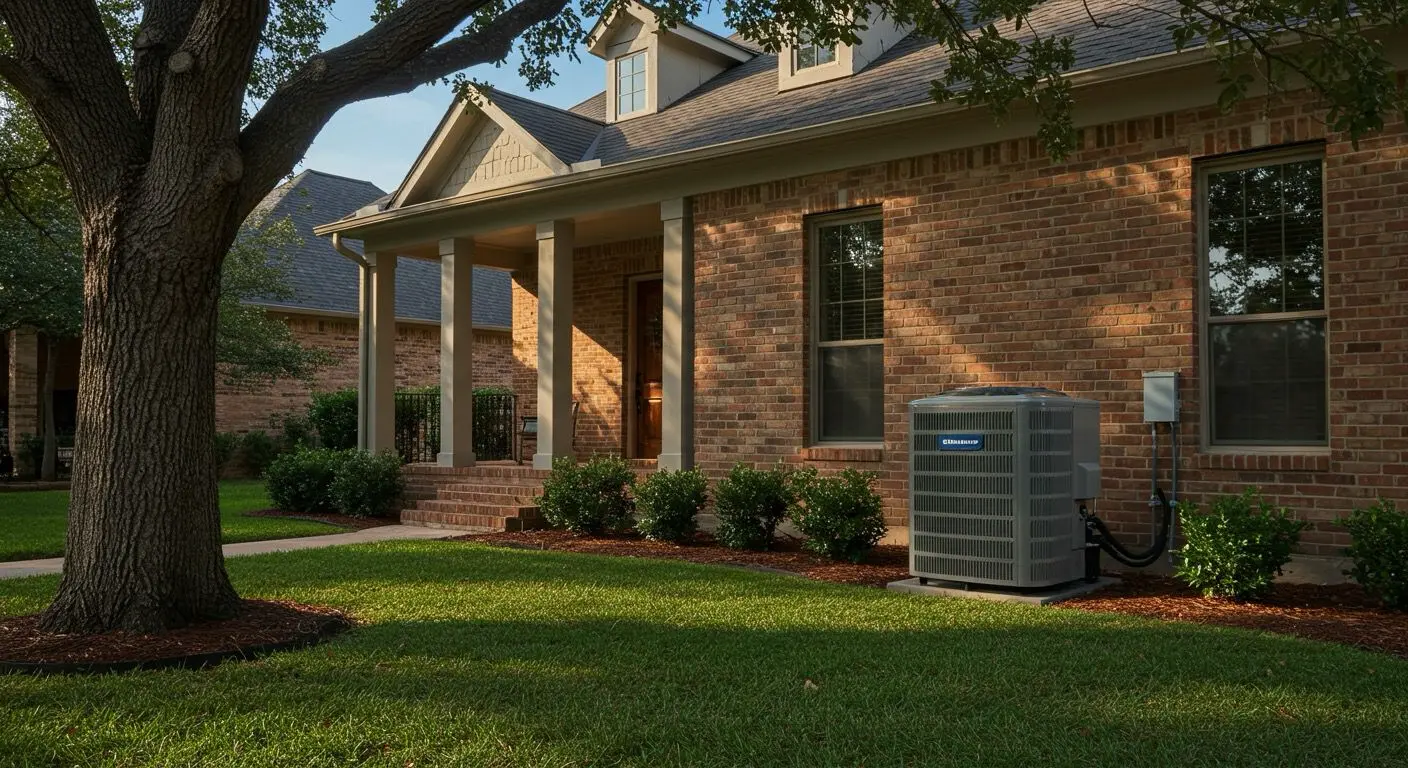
334	418
749	504
1380	552
368	484
257	451
301	481
588	498
295	431
1238	547
226	443
668	504
841	515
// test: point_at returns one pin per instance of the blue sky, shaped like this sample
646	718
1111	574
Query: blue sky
378	140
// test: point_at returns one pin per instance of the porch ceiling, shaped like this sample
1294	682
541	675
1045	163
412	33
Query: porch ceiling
592	229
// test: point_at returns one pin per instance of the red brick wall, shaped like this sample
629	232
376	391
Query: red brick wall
417	364
599	321
1002	268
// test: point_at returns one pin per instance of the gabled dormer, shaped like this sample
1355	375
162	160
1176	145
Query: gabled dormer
648	67
808	63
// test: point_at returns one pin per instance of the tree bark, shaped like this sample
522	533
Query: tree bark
143	551
48	469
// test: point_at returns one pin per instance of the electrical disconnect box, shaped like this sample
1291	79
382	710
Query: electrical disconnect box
1161	397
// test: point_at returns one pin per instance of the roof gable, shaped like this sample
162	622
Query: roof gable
501	140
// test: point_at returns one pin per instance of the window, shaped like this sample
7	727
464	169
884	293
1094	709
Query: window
848	328
807	54
1263	245
630	83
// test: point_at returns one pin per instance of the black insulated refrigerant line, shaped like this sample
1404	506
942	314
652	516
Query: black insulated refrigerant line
1099	537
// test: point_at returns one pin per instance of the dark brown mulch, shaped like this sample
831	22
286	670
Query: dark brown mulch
885	564
1339	613
261	624
331	518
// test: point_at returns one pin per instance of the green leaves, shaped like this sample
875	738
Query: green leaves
1236	548
1379	549
841	515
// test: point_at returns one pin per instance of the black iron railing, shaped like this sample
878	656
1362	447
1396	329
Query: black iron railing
418	426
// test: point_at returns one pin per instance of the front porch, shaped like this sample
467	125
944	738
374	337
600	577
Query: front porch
602	318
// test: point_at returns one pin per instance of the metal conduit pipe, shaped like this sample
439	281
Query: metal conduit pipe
364	337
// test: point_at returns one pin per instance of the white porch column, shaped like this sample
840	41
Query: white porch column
382	409
456	353
677	402
555	244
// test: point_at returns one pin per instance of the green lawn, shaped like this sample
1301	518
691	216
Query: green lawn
32	523
472	656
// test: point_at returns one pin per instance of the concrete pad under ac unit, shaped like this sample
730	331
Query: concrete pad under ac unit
1047	596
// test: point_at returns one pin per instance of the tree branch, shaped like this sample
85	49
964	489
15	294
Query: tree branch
63	65
395	56
164	26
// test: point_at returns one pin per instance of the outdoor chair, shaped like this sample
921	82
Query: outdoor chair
529	429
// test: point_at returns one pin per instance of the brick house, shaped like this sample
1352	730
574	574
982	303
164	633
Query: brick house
731	255
323	314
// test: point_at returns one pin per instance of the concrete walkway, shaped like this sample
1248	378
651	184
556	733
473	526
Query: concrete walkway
20	568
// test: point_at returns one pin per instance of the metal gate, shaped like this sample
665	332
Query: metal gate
418	426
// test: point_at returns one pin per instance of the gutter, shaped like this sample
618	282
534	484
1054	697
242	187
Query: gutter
364	338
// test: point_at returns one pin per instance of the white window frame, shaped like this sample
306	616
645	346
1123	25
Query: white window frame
645	79
818	48
814	226
1254	159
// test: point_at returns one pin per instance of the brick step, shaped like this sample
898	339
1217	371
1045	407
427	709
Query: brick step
470	516
486	495
479	508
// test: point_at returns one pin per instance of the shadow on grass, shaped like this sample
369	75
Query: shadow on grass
479	656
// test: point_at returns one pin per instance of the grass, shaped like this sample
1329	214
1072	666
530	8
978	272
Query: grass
33	523
487	657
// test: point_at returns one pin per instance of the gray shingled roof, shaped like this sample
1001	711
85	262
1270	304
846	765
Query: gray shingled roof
565	134
743	102
322	279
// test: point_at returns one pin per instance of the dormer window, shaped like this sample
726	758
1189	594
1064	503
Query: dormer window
809	54
630	83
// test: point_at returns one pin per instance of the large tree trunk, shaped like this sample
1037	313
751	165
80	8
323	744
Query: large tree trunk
143	550
48	469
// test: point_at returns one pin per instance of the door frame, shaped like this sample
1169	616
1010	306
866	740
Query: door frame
628	401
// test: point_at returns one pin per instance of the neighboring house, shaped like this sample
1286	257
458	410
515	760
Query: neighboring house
731	255
323	314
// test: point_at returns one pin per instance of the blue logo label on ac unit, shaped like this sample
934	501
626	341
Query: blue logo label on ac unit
960	442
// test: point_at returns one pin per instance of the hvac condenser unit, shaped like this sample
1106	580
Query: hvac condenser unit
996	478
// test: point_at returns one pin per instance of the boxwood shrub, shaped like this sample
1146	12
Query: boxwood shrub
368	484
841	515
749	504
1236	548
301	481
334	418
1379	548
668	504
590	498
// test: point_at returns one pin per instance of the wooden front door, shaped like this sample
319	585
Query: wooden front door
649	346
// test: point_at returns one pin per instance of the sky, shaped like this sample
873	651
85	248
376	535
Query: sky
378	140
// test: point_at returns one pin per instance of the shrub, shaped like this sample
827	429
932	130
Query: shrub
1238	547
334	418
668	504
226	443
588	498
301	481
30	456
257	451
368	484
749	504
1380	552
841	515
295	431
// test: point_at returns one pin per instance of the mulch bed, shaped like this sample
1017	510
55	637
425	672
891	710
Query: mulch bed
331	518
1339	613
262	626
